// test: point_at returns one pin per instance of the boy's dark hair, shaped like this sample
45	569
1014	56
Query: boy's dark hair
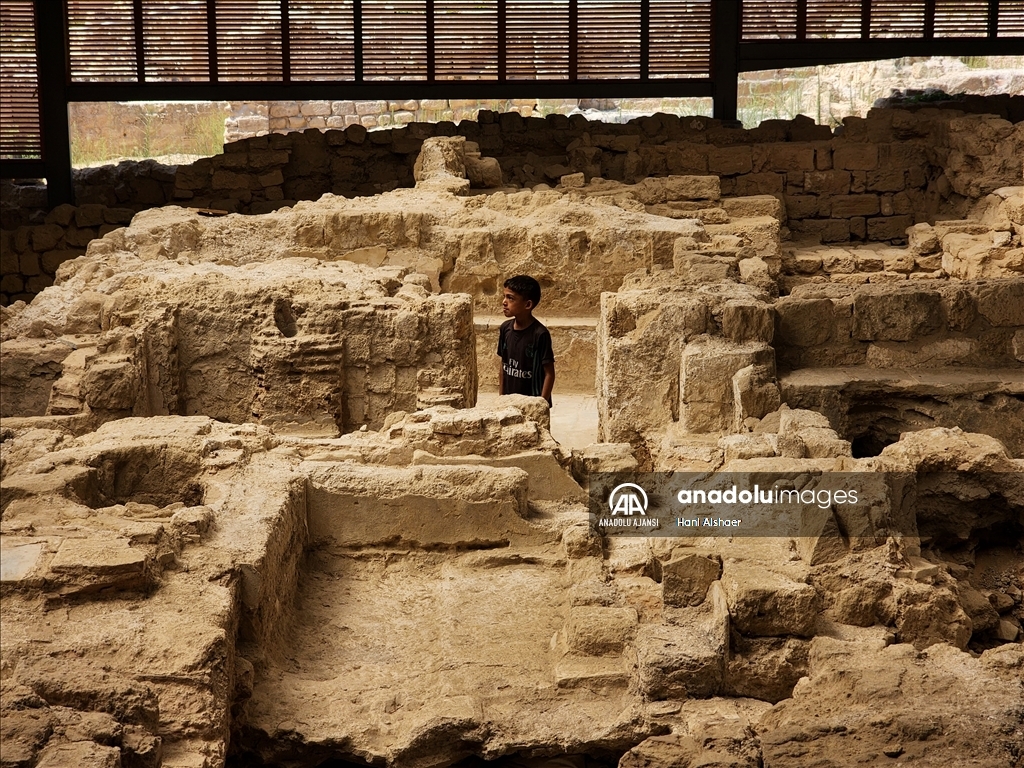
525	286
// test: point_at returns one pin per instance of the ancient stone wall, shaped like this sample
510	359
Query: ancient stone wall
870	181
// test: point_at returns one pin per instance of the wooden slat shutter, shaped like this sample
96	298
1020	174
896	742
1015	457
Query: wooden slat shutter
897	18
833	19
768	19
175	40
537	39
608	44
101	41
962	18
394	39
322	38
20	135
1011	19
466	39
249	40
680	38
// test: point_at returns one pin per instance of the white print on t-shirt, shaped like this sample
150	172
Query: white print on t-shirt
513	370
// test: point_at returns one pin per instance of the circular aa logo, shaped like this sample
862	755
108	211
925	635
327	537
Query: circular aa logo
627	499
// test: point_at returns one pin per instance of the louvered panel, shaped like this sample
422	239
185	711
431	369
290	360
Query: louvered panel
833	19
466	39
20	135
1011	19
175	39
680	38
249	40
769	19
897	18
961	18
394	39
608	41
537	39
101	41
322	36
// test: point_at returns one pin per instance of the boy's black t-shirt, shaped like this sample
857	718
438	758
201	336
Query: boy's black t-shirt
523	355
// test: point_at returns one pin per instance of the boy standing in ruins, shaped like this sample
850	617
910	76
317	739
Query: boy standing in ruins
524	344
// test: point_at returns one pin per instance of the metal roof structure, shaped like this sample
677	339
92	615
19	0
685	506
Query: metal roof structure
53	52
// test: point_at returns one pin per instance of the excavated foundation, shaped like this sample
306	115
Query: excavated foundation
252	514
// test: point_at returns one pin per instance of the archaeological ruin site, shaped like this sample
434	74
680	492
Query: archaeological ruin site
263	506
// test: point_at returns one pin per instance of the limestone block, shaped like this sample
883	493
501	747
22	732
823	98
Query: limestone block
890	313
748	446
89	215
593	673
835	182
754	205
91	564
284	109
118	215
315	108
706	390
851	156
730	161
1017	346
685	580
744	320
793	421
651	191
29	264
600	458
926	615
81	754
424	505
824	443
755	271
695	267
441	164
581	541
763	603
820	540
1007	631
846	206
112	386
838	260
600	631
791	157
983	616
686	658
45	237
889	227
62	215
1001	302
766	668
483	172
869	262
804	322
755	394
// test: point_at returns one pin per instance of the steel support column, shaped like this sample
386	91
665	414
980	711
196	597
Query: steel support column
51	27
725	56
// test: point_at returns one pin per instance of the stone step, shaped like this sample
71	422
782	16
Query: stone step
863	380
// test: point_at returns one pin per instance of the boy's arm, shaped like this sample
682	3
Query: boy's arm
501	377
549	381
